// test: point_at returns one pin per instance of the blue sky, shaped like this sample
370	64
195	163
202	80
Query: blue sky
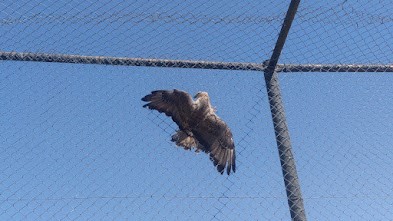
77	144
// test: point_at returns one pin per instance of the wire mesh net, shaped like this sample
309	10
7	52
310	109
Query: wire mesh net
340	32
341	134
203	30
77	145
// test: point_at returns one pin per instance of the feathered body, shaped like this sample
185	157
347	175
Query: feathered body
199	125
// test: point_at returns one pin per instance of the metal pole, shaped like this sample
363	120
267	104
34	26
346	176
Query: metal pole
168	63
287	161
147	62
334	68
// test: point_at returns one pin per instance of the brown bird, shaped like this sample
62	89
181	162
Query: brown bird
199	126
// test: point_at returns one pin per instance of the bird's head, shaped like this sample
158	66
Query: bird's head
203	99
201	94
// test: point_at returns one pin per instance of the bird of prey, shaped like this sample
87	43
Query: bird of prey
199	126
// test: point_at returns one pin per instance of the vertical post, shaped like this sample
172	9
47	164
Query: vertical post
294	195
287	161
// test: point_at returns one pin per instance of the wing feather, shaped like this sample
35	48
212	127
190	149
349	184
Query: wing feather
174	103
216	137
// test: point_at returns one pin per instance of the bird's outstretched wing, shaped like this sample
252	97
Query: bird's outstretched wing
216	138
174	103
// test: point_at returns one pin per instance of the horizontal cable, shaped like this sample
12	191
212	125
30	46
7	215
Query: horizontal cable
334	68
104	60
193	197
81	59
